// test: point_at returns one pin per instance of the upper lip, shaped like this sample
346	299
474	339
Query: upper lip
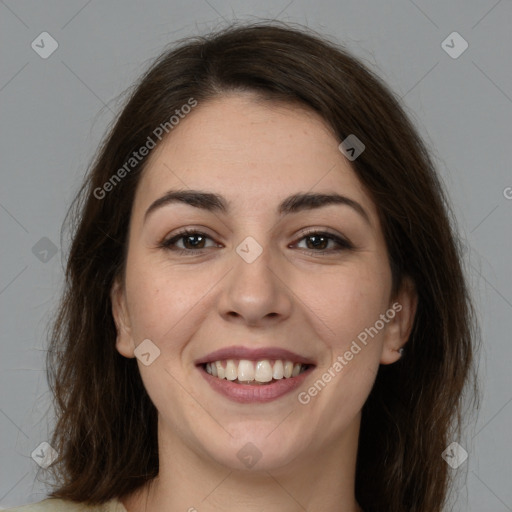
254	354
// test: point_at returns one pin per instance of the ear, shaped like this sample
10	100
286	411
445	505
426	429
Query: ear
399	327
124	341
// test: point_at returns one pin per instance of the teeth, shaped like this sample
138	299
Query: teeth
246	371
278	372
263	371
231	370
288	369
220	370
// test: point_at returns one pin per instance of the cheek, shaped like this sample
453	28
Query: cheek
348	301
160	301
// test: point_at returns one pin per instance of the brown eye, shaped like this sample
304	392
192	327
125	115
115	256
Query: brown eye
191	241
318	243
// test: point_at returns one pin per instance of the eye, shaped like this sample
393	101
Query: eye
193	241
319	241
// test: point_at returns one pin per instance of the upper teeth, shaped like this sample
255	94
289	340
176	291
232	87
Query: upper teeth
260	371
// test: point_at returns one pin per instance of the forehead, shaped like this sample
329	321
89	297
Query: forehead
252	152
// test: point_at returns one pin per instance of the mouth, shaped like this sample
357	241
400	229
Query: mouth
254	373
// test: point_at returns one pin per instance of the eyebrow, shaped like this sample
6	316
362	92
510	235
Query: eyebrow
216	203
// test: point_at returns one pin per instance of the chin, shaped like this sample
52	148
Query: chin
255	448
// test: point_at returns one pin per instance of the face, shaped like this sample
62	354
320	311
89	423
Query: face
267	275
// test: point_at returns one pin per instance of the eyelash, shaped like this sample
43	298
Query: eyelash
342	243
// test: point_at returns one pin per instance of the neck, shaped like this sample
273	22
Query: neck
190	481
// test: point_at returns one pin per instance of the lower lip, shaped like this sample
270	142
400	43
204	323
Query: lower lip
247	393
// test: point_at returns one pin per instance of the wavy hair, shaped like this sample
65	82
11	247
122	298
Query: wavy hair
106	424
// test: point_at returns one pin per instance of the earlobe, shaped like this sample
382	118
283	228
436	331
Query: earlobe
400	326
124	341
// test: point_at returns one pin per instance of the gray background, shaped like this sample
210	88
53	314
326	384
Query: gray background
54	112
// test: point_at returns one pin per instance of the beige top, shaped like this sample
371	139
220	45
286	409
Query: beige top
57	505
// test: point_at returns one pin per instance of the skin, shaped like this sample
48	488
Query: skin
255	153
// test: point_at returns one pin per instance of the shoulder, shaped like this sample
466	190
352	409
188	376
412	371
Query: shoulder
57	505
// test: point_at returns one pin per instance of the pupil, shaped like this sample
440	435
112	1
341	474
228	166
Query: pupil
320	239
188	238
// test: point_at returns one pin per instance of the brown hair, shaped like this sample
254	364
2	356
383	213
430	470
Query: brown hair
106	426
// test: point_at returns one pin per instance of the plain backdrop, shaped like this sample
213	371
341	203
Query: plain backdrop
54	111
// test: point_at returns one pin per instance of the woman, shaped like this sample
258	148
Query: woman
265	307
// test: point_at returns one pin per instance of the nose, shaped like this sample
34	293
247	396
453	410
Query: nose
255	293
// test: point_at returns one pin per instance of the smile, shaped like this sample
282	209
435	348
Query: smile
262	372
250	375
